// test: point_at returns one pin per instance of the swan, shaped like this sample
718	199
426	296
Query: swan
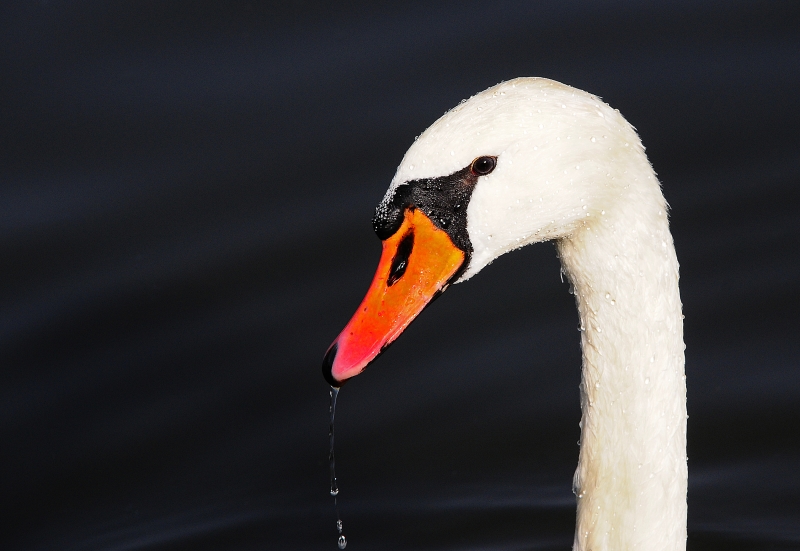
531	160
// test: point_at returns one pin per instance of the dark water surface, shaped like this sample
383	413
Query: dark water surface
186	192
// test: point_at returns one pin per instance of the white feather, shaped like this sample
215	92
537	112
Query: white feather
570	168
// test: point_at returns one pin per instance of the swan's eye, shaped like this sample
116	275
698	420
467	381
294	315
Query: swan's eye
400	260
483	165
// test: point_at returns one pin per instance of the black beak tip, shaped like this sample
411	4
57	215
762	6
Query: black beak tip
327	366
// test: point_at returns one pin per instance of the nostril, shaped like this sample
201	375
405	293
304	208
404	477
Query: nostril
327	365
400	260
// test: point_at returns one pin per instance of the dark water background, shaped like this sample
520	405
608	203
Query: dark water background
185	204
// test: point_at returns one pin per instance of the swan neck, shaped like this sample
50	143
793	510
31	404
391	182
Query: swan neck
632	476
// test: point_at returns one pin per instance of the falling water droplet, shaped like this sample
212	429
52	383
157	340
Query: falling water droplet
342	541
334	393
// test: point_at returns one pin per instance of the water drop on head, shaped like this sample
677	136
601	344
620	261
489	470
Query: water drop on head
342	542
647	381
594	139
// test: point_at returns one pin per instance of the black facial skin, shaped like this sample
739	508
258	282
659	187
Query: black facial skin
444	200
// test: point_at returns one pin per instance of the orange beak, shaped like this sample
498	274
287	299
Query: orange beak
417	263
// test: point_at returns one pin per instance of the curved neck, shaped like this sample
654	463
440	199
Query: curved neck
631	478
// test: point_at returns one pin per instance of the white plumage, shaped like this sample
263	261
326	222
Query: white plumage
570	168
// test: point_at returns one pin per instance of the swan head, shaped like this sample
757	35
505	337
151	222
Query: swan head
525	161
